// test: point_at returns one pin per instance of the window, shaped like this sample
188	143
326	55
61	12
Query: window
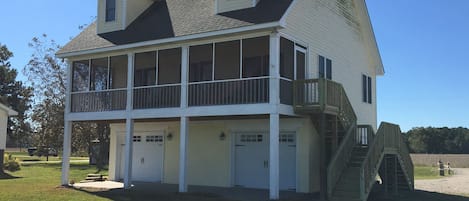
227	59
367	89
145	69
118	72
201	63
287	54
256	57
81	75
110	10
99	74
325	68
169	66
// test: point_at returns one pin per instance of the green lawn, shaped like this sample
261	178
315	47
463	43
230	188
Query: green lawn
41	182
426	172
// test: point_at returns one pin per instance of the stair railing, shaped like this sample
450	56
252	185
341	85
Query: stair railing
395	141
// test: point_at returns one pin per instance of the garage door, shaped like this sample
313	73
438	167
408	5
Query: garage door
252	160
147	158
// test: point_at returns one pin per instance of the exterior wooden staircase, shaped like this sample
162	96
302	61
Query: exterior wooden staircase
352	156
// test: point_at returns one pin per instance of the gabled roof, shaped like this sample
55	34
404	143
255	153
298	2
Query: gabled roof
9	111
176	18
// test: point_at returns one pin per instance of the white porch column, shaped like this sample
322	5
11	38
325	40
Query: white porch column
129	123
67	128
66	152
184	124
274	91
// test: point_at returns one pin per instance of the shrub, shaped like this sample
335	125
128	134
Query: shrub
10	164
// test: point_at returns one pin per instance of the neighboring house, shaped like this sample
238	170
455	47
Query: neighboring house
269	94
5	112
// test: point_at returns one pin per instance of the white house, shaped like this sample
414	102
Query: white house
5	112
269	94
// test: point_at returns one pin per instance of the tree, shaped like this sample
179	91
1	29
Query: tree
14	94
48	75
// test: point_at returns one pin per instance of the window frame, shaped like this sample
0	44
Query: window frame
110	10
367	89
325	67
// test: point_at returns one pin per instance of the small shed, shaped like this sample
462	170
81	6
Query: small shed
5	112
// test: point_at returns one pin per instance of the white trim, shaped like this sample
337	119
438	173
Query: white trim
172	40
283	20
8	110
124	14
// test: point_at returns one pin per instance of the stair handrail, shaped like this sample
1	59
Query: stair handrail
337	97
370	165
408	165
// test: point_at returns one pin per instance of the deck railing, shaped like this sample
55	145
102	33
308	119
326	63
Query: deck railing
229	92
99	101
162	96
321	95
388	137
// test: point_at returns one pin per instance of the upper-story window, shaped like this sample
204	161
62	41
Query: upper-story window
366	89
325	68
110	10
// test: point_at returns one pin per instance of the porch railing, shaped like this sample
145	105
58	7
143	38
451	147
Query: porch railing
164	96
229	92
99	101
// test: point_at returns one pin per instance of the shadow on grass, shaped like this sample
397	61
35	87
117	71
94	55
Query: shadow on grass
6	176
417	195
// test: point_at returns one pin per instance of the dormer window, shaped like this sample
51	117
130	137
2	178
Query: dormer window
110	10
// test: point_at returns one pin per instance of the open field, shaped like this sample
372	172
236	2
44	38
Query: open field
427	172
456	160
24	157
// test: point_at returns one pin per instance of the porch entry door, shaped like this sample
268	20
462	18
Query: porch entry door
147	157
300	63
252	160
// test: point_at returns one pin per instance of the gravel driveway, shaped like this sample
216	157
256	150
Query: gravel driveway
457	184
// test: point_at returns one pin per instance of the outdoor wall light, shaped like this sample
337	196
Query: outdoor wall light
222	136
169	136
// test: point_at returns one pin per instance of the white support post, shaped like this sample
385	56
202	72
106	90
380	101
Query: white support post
66	152
274	91
67	128
183	155
184	126
274	157
129	123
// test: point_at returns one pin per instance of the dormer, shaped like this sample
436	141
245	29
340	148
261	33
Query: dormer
116	15
222	6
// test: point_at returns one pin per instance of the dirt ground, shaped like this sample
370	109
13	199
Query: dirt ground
457	184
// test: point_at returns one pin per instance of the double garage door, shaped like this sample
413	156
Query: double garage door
147	158
252	160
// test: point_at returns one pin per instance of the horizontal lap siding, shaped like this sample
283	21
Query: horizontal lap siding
327	29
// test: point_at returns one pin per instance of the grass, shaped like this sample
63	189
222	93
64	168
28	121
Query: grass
40	182
427	172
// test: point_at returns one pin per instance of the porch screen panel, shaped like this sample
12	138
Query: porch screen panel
99	74
169	66
227	59
81	76
118	74
287	50
145	69
200	63
256	57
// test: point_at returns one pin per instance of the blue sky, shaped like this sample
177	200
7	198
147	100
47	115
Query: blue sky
424	45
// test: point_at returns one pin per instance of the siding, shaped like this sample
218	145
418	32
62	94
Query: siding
331	28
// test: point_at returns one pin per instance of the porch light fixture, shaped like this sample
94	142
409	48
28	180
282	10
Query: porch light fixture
169	136
222	136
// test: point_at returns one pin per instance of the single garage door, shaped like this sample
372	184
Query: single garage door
252	160
147	157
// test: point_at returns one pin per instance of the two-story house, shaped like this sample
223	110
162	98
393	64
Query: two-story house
268	94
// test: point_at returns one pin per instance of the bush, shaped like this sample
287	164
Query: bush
10	164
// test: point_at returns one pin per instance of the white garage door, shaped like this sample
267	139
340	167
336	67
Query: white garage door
252	160
147	158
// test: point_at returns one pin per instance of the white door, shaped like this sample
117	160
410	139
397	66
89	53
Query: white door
147	157
252	160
